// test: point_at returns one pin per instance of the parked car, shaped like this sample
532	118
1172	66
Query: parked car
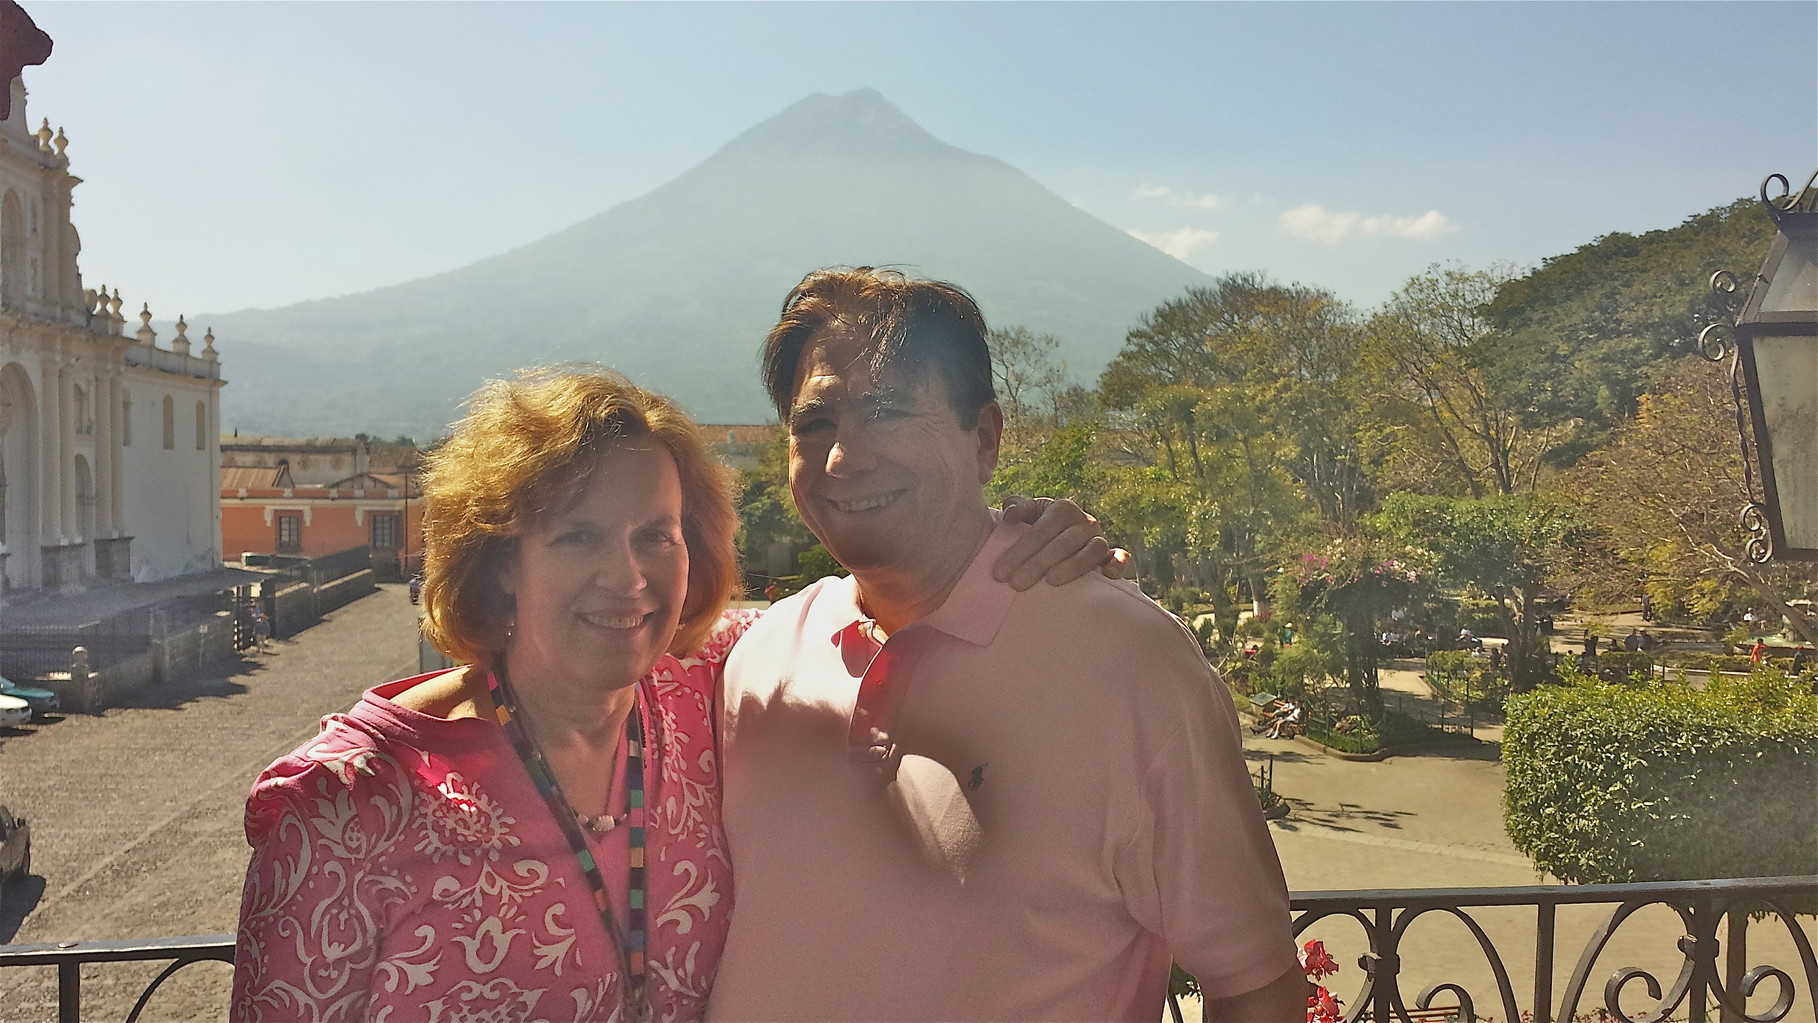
15	847
42	701
14	712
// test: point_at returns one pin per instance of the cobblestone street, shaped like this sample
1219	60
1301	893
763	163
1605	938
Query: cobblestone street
136	812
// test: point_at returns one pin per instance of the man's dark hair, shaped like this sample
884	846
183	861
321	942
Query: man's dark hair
918	326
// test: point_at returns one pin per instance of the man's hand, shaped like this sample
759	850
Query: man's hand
1062	544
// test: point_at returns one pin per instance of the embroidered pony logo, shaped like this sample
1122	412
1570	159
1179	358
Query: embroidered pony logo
978	777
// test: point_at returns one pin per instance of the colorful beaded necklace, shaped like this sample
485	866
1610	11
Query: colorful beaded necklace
630	947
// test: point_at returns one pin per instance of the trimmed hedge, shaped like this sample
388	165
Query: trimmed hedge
1657	781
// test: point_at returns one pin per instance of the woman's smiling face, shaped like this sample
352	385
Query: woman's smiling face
599	583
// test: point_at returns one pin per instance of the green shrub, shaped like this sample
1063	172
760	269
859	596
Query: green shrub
1625	666
1463	677
1699	662
1658	781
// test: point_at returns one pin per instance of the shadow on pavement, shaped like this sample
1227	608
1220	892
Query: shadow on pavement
1343	817
21	897
1484	752
1297	755
173	695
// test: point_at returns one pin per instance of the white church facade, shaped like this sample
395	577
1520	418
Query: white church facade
109	444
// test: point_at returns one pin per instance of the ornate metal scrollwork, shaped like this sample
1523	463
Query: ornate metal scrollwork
1778	206
1760	545
1716	342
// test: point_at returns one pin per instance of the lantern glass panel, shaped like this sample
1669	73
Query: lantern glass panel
1787	368
1795	284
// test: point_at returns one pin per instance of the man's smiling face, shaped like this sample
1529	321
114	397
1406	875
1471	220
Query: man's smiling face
881	467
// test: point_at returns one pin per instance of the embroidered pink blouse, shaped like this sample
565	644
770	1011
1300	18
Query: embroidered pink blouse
405	868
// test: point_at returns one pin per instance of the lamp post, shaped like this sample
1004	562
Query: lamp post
1776	370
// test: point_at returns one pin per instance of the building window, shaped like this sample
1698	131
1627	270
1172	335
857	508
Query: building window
201	427
126	422
385	531
290	533
170	423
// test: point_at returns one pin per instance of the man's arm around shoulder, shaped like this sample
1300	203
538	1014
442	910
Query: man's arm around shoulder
1282	1000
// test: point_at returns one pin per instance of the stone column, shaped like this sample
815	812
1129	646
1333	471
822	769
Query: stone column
116	401
106	444
66	410
50	475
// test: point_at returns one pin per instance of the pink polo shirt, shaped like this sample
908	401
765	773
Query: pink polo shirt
1064	808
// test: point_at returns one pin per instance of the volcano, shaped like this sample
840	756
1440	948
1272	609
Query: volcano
677	287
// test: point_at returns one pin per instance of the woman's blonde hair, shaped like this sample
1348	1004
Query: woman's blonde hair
525	449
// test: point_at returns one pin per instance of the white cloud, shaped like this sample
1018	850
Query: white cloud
1315	223
1180	242
1173	197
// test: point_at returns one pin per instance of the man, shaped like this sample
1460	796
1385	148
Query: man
946	799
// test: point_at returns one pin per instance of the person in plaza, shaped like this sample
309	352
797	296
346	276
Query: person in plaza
535	834
1283	722
261	627
415	587
946	799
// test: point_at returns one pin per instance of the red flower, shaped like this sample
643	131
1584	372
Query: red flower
1316	962
1323	1008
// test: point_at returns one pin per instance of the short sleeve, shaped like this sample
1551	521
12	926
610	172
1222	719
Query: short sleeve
1201	870
313	905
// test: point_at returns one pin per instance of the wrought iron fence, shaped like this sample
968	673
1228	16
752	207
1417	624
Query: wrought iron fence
1710	957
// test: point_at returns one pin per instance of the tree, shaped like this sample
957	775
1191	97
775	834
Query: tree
1358	579
1485	404
1503	547
1613	315
1667	492
1029	382
767	516
1245	395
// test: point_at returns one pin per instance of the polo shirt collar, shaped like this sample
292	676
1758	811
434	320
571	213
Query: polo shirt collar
978	605
973	611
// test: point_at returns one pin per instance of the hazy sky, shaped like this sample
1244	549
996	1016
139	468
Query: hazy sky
240	154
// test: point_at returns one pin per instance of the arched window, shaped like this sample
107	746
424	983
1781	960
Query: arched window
170	423
201	427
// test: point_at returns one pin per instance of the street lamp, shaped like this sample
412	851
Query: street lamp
1776	335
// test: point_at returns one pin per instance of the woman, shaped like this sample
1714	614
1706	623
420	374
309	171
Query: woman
535	835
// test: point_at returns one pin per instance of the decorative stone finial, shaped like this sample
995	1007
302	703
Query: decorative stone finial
88	301
208	346
180	343
146	335
62	142
44	136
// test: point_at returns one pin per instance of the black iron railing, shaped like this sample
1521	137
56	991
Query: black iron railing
70	956
1713	977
